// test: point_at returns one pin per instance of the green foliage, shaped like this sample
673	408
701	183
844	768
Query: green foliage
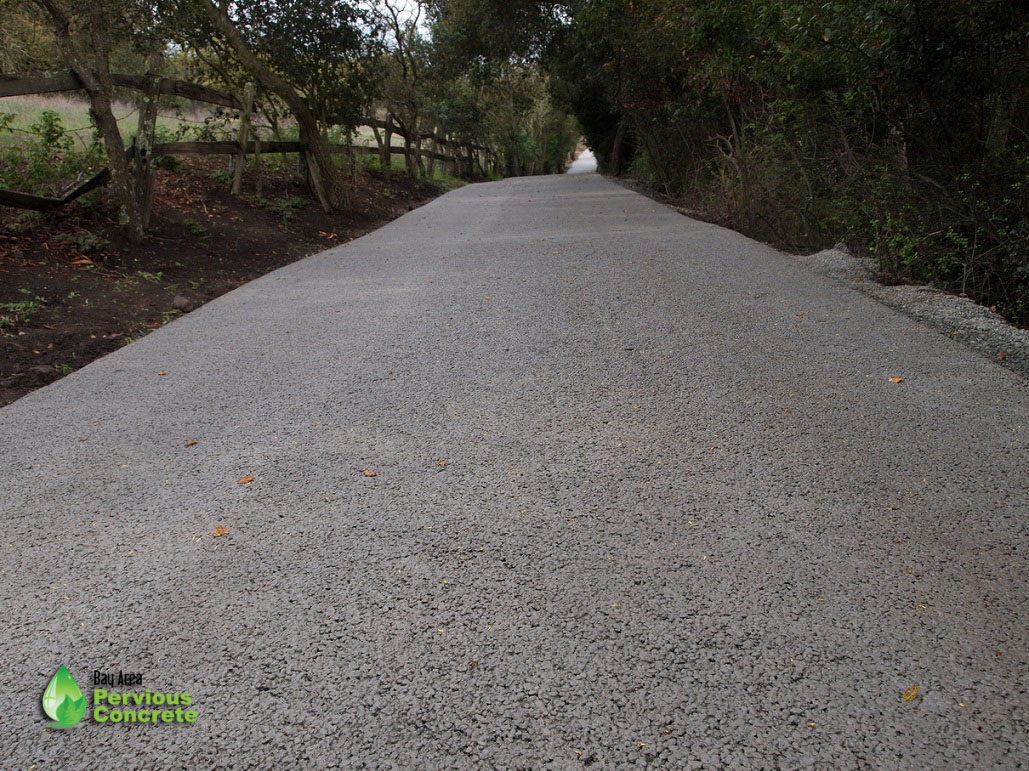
900	126
169	163
25	221
83	242
445	182
163	134
193	227
46	159
281	207
325	49
13	314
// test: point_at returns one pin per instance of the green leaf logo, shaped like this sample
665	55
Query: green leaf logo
63	702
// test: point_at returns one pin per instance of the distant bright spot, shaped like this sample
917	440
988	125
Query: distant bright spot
584	164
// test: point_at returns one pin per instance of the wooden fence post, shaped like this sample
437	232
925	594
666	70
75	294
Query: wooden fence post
386	159
244	137
143	144
302	170
434	149
257	166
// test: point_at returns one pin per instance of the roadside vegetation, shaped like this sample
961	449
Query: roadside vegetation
81	280
898	126
322	68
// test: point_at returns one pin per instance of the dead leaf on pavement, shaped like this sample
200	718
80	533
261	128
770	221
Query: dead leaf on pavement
441	462
191	442
162	372
1002	355
911	693
246	480
220	531
369	473
896	380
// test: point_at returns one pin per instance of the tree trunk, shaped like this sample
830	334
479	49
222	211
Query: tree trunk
143	145
616	149
386	158
418	157
98	88
434	147
409	157
325	177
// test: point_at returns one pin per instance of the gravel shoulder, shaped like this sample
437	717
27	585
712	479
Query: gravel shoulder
957	317
960	318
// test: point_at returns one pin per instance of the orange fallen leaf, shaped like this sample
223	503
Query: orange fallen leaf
910	694
220	531
1002	355
896	380
369	473
441	462
246	480
191	442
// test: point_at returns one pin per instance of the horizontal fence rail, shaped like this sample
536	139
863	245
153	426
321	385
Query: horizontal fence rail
44	83
19	85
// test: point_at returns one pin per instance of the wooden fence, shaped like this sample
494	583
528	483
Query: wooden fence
144	148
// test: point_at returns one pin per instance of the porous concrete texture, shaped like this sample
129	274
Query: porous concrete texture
645	496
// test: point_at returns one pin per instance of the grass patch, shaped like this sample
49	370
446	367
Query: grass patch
13	314
73	112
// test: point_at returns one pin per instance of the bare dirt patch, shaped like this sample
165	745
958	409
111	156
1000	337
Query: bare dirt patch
73	289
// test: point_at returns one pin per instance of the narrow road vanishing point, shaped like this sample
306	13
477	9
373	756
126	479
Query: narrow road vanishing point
644	495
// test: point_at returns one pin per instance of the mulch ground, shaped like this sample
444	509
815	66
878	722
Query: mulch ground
72	288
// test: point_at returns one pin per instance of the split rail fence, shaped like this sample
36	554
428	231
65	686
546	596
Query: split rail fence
144	148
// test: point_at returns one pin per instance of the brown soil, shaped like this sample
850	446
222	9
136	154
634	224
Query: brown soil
86	291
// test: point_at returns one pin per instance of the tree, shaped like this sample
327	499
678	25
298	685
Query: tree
27	41
93	71
404	86
327	182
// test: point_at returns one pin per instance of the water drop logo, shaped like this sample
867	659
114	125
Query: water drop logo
63	702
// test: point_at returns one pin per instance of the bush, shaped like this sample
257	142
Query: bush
46	161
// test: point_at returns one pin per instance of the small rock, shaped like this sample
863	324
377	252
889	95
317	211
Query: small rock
181	302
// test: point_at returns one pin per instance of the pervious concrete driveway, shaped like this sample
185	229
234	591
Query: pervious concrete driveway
645	496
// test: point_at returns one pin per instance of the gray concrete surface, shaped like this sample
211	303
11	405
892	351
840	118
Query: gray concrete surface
684	521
